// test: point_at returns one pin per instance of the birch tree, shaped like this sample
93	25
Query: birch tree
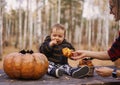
2	4
25	27
59	10
20	25
30	26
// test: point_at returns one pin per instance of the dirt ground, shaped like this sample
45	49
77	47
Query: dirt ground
73	63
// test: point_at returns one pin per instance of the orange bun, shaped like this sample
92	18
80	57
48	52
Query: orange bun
67	52
85	62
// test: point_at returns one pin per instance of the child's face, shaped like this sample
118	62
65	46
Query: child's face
58	35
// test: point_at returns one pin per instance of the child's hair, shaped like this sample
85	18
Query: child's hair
57	27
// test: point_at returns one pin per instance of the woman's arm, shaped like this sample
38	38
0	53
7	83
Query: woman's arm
103	55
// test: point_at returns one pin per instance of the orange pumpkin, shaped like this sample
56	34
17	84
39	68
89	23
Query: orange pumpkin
25	65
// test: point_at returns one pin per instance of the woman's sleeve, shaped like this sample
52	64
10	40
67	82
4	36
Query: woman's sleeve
114	51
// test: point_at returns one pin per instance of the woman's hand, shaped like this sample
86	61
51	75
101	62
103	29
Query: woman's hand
79	54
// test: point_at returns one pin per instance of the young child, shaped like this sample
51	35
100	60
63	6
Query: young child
52	48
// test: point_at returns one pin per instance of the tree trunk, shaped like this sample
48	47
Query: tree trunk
98	40
25	31
1	28
31	27
20	27
89	34
59	10
2	4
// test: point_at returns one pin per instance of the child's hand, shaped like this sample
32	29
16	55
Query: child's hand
53	42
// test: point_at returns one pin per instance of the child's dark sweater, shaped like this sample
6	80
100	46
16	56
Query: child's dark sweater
54	53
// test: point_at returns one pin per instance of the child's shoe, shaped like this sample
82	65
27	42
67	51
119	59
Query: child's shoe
56	72
80	72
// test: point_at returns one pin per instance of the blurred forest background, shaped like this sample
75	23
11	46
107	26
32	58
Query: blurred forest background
24	26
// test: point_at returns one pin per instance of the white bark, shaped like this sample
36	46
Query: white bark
20	27
7	29
39	26
81	33
30	27
2	4
86	30
1	28
89	34
59	10
107	33
25	31
98	40
52	15
35	28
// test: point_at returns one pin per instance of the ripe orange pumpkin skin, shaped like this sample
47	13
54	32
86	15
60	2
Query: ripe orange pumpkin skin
25	66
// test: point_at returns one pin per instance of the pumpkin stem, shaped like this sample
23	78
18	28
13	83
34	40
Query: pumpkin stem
23	52
29	51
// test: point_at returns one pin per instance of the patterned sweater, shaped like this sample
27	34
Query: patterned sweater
54	53
114	51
